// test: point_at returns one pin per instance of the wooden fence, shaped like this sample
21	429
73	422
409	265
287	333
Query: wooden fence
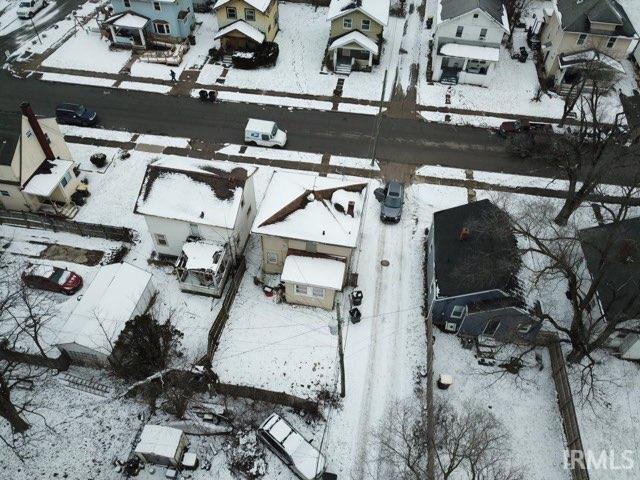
566	406
57	224
262	395
215	332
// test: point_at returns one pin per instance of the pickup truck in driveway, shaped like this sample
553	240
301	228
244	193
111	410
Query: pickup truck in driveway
519	126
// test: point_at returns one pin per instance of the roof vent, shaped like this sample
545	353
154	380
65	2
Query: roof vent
464	233
311	197
201	214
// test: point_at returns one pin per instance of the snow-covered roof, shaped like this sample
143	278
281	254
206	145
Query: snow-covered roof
355	37
160	441
311	208
578	58
491	54
244	28
199	255
261	5
128	20
45	182
105	306
191	190
313	271
378	10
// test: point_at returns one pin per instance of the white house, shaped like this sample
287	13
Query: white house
310	227
118	293
161	445
200	212
467	39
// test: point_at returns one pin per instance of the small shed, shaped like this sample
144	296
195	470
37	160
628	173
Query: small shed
312	280
161	445
117	294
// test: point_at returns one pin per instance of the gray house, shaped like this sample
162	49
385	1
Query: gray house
135	23
472	274
612	254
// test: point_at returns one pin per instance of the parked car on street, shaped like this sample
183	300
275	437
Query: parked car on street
47	277
391	199
293	449
73	114
28	8
520	126
264	133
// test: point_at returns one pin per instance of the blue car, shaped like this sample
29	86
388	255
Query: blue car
73	114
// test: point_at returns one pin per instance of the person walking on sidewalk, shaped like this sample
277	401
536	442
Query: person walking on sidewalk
173	76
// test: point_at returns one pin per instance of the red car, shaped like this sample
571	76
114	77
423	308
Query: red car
47	277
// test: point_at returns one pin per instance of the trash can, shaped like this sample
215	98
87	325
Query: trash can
203	95
192	39
355	314
212	95
445	381
356	298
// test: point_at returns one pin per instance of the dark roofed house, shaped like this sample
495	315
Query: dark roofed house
591	30
612	254
455	8
472	273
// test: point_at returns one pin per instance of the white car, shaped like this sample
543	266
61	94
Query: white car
264	133
28	8
293	449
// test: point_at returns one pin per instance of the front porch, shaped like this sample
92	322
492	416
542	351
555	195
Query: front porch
127	30
203	267
51	188
595	66
239	35
354	51
468	64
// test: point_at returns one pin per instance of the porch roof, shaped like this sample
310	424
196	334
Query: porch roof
355	37
242	27
200	255
128	20
490	54
313	271
43	183
580	58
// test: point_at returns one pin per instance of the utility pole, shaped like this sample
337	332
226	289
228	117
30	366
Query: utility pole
340	351
36	30
376	126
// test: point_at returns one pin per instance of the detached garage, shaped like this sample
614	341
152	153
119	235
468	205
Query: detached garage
118	293
161	445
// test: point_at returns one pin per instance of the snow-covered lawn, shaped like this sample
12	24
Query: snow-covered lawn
303	37
87	50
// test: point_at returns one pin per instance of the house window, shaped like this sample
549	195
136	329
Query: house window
300	289
347	23
249	14
524	328
491	327
156	6
4	193
611	42
231	13
65	179
477	67
312	247
161	239
317	292
127	3
483	34
366	25
161	27
194	230
458	311
475	15
272	257
582	38
459	31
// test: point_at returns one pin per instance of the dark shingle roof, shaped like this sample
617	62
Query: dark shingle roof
576	17
487	259
612	252
455	8
10	127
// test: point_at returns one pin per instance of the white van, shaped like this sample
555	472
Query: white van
264	133
28	8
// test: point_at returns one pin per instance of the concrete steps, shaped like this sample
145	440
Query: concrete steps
343	69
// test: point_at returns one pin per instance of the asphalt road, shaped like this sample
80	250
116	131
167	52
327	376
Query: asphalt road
400	140
53	13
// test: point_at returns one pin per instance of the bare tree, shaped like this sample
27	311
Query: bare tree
515	10
469	443
559	253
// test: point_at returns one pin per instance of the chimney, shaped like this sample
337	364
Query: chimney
37	130
464	233
351	208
